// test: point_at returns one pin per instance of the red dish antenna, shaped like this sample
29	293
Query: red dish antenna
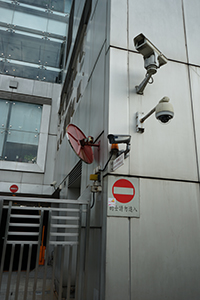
80	143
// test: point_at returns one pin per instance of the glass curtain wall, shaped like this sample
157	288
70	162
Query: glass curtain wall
19	131
32	38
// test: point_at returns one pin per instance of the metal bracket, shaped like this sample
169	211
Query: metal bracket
139	125
96	188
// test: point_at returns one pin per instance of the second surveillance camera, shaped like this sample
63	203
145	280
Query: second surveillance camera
164	110
119	139
147	48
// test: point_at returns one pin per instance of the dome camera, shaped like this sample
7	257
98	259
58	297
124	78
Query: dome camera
164	116
164	110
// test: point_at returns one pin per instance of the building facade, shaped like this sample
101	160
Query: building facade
33	37
146	247
154	253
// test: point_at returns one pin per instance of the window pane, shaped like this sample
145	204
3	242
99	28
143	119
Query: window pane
20	134
67	5
39	3
57	27
29	138
30	21
25	117
4	106
23	47
6	15
20	152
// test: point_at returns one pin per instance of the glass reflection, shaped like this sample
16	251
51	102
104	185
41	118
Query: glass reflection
20	130
32	40
56	5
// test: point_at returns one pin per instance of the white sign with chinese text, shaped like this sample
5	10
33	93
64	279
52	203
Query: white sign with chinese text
123	197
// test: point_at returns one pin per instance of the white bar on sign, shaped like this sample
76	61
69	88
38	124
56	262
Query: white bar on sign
123	191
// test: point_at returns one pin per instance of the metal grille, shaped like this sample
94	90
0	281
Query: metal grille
24	230
75	173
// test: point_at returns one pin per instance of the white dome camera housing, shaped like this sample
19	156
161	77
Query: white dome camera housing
164	110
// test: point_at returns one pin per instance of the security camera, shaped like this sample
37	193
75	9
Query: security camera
119	139
53	183
164	110
153	59
147	49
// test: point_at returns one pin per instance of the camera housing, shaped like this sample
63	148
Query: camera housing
147	49
153	59
164	110
119	139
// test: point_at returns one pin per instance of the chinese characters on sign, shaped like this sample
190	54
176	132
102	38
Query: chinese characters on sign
122	208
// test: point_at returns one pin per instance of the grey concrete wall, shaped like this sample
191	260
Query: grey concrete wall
155	256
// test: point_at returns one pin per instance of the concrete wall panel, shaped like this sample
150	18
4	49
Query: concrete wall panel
165	242
97	107
162	23
93	290
118	97
162	150
192	24
195	88
97	35
118	25
50	159
117	259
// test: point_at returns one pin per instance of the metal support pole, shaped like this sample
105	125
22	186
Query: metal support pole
140	88
28	270
87	232
19	272
61	273
69	272
148	115
10	272
5	241
78	285
47	255
53	273
38	254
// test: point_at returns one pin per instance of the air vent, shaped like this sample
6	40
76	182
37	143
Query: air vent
75	173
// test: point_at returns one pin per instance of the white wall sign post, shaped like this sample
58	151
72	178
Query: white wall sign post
123	197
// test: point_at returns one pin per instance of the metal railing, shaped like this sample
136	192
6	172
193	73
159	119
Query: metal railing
63	269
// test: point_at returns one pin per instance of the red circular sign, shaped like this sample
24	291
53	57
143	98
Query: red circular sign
14	188
123	190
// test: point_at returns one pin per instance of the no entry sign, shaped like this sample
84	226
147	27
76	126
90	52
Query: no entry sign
123	197
14	188
123	190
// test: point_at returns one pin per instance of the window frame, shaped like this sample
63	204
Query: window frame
39	166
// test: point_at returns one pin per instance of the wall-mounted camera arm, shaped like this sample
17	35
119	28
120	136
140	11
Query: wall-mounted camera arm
140	88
